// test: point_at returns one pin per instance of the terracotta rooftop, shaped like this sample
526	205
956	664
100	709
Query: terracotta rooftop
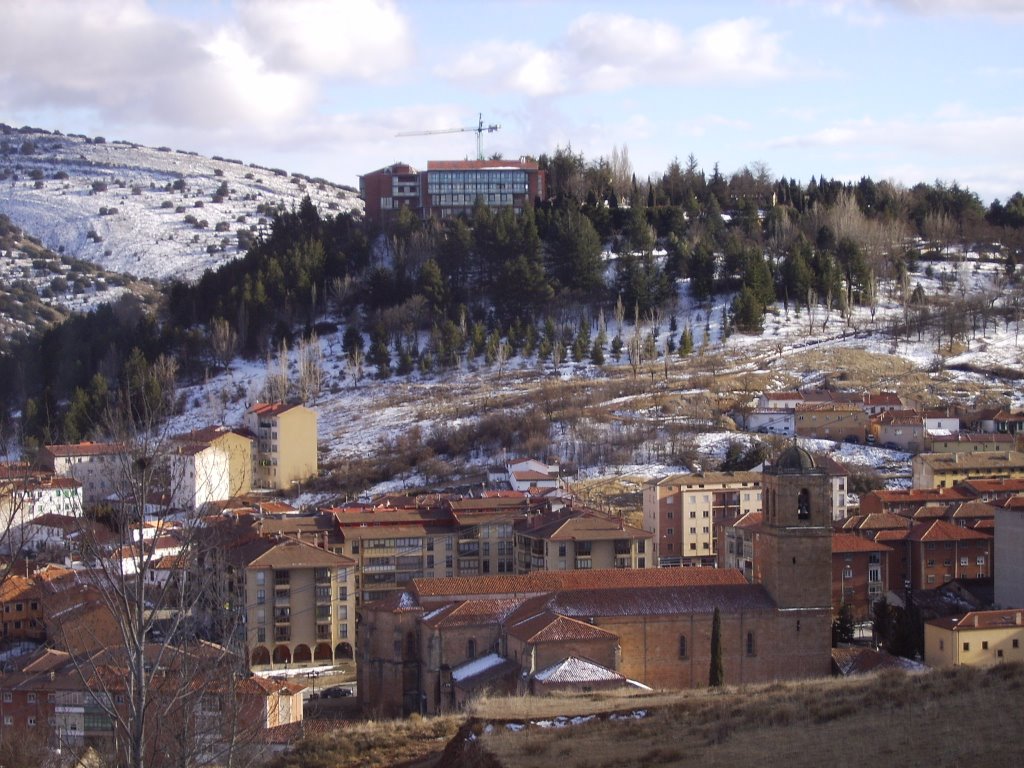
292	553
876	521
994	485
576	525
970	509
663	601
548	627
892	536
270	409
843	543
471	613
922	495
67	450
941	530
981	620
539	582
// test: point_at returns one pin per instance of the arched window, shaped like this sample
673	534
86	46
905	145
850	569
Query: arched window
682	646
471	648
803	505
751	648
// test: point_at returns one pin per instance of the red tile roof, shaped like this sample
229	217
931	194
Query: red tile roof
941	530
848	542
663	601
548	627
468	613
981	620
892	536
539	582
271	409
84	449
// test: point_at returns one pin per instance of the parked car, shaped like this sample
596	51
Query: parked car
336	692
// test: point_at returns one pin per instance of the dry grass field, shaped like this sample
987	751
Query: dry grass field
940	719
962	717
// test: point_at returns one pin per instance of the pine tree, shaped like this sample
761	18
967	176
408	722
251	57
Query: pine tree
686	342
716	675
842	626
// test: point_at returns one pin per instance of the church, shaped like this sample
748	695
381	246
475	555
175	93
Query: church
429	648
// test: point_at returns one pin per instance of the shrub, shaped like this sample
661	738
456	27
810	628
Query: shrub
99	186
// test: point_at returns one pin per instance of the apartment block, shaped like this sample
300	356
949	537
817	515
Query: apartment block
298	605
99	467
944	470
285	448
580	540
684	512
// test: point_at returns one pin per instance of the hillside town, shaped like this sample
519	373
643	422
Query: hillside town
418	602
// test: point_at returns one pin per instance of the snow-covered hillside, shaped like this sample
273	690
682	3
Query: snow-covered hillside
147	212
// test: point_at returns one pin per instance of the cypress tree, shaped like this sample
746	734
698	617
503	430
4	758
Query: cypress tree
716	676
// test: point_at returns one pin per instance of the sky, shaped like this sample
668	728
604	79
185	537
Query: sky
907	90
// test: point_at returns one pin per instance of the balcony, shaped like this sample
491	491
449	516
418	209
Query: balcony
282	615
283	598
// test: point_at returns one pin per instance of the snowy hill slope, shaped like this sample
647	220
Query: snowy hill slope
154	213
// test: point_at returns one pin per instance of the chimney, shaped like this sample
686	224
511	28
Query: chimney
976	620
1017	618
323	539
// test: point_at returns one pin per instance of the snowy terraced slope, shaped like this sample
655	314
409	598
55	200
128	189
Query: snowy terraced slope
54	187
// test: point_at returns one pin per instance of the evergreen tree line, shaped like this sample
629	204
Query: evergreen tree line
499	283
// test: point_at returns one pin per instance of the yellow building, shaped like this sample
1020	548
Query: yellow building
285	454
944	470
299	606
978	638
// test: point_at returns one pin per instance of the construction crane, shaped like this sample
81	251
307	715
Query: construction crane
478	130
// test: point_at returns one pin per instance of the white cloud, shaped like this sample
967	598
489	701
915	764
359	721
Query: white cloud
129	65
363	38
613	52
521	67
704	124
1003	8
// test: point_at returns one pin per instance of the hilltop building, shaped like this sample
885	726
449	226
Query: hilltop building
450	188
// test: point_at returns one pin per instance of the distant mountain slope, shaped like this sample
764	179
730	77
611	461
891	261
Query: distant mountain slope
147	212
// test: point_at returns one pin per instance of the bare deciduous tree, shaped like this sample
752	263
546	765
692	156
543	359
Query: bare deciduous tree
223	342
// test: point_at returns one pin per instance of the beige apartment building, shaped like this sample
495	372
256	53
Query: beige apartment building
685	512
944	470
285	453
299	605
831	421
580	540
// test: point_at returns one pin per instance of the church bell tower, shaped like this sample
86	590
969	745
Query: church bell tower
796	536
